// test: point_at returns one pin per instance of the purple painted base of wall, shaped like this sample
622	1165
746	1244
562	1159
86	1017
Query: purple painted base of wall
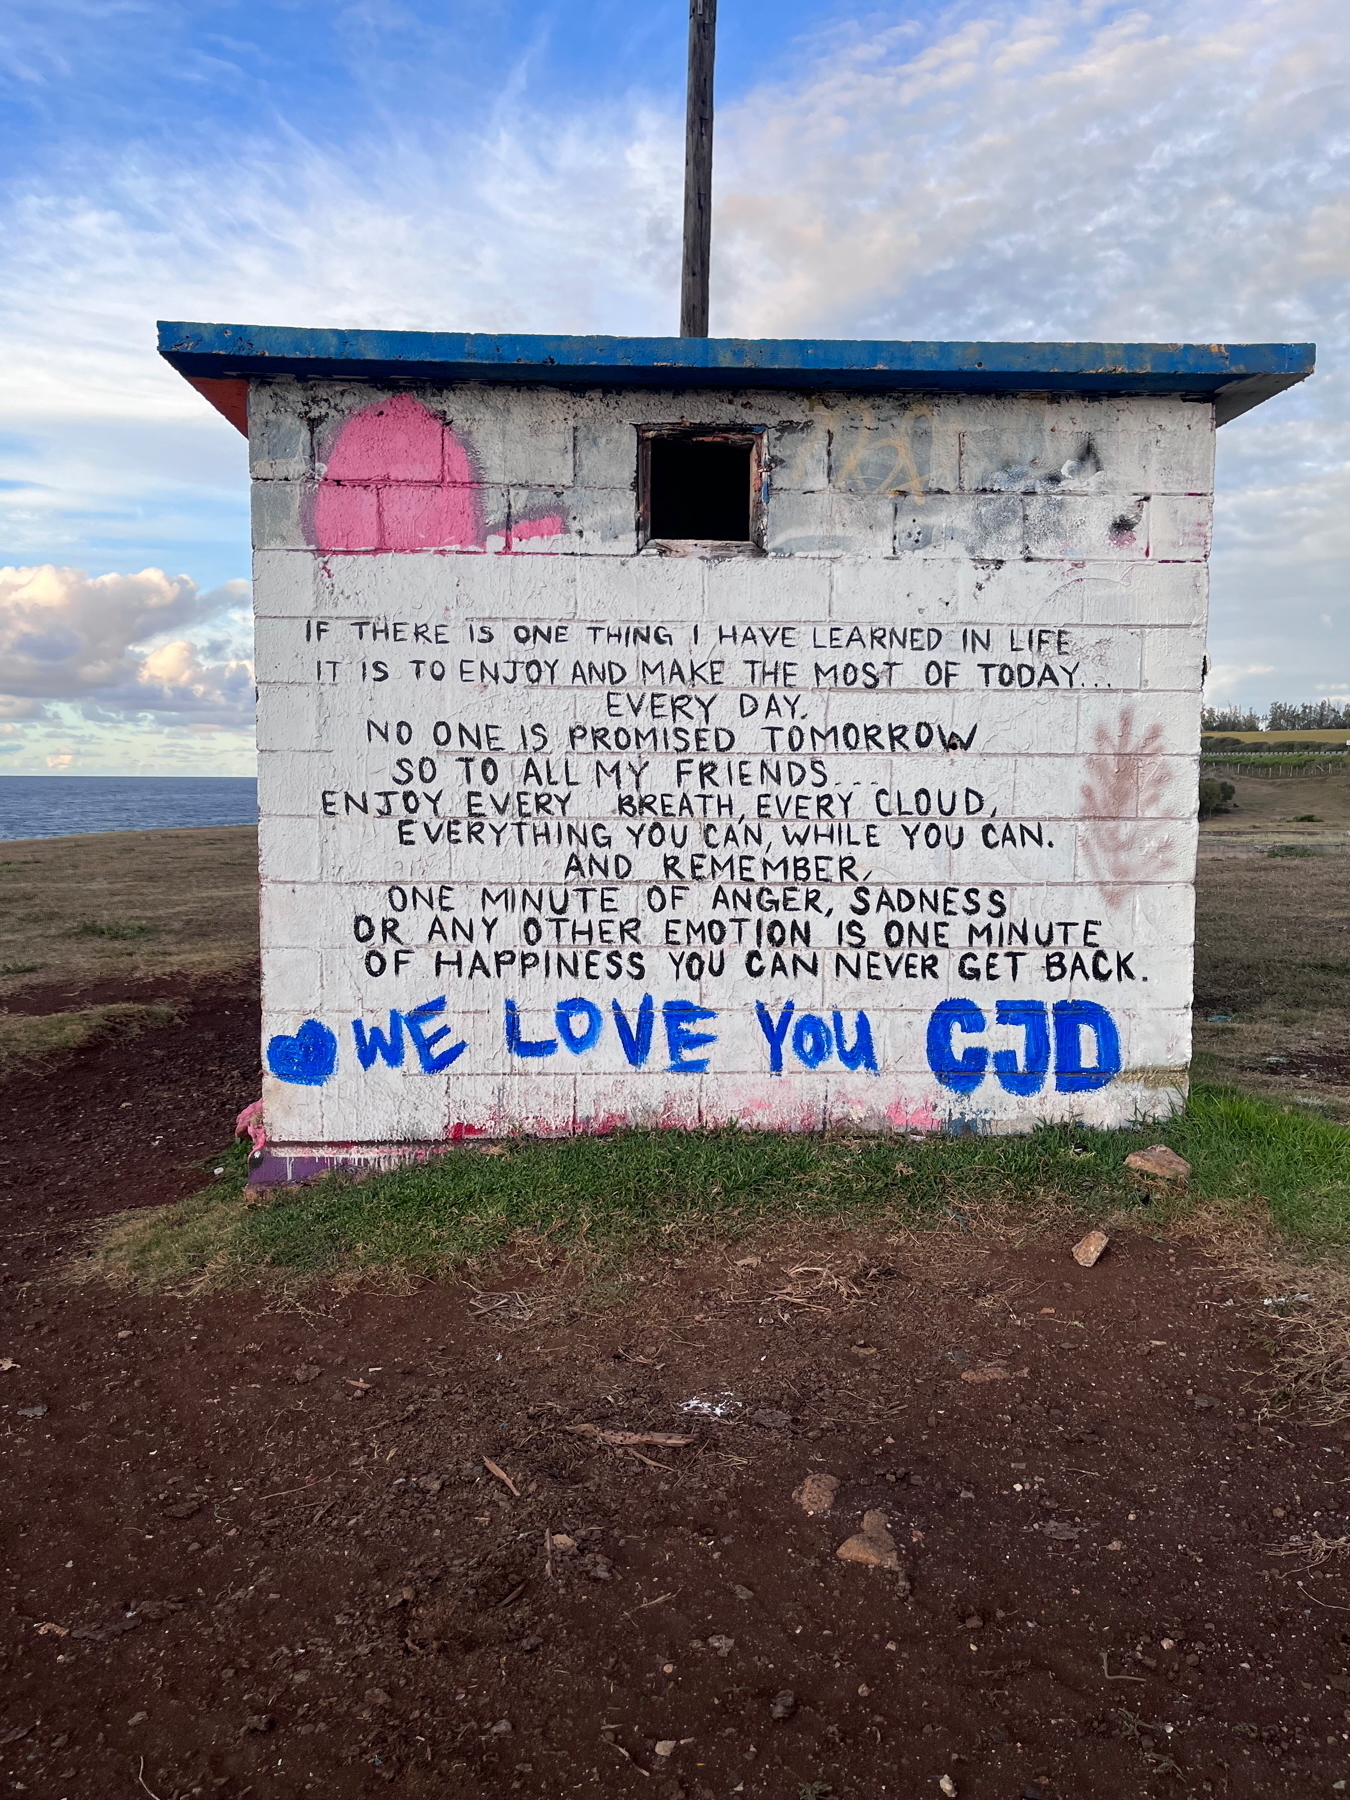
278	1167
278	1171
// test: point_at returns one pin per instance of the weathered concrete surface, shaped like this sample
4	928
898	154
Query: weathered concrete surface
892	823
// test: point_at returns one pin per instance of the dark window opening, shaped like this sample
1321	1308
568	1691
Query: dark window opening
699	487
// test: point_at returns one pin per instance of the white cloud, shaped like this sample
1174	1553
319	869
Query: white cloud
1226	680
102	644
1060	170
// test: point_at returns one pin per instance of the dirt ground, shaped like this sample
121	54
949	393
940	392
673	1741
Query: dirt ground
256	1546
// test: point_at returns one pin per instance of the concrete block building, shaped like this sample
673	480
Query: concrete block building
690	732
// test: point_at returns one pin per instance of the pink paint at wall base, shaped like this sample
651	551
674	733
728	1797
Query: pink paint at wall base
398	479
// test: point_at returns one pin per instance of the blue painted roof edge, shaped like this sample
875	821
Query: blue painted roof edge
1202	370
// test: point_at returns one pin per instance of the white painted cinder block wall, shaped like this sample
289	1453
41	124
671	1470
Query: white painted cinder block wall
1073	532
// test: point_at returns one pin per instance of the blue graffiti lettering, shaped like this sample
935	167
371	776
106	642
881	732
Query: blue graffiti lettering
523	1046
964	1073
1071	1016
374	1042
568	1011
861	1054
425	1042
679	1015
811	1040
1030	1078
775	1031
637	1045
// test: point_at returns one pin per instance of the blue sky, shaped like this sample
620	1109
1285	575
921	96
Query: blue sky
1052	170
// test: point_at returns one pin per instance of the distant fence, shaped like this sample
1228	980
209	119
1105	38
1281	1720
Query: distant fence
1273	764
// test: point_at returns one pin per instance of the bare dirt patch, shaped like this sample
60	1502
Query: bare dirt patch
124	1121
365	1541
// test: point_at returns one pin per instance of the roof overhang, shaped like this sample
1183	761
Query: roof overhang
220	360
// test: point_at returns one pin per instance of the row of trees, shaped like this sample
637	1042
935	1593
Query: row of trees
1312	715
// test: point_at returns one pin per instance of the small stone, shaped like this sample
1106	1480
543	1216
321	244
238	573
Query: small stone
1057	1528
948	1786
816	1494
307	1372
1087	1252
667	1747
783	1705
1160	1162
32	1412
722	1645
138	1718
1203	1402
972	1621
743	1593
503	1728
771	1418
259	1722
562	1543
1167	1643
863	1690
598	1568
873	1546
374	1696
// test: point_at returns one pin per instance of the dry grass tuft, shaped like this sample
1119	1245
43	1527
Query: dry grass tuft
1299	1306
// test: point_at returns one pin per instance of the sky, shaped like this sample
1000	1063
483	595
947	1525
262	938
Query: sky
1163	171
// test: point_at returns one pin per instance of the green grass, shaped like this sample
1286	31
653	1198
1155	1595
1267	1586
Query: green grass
1295	850
121	929
606	1199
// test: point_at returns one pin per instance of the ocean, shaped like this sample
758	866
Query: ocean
38	806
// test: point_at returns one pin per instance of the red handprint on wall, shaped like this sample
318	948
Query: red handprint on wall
1124	840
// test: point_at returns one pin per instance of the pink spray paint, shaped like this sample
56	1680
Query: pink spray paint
399	479
250	1124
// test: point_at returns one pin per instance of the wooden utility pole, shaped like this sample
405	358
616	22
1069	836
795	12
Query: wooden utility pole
698	147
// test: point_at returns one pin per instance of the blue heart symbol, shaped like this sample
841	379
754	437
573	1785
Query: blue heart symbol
307	1059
